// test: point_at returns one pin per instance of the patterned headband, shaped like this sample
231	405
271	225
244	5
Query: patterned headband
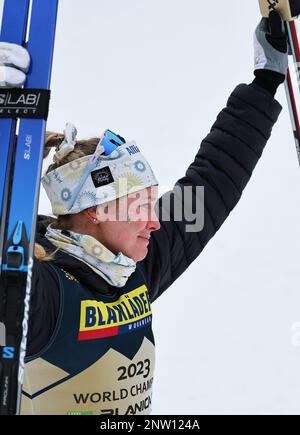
96	179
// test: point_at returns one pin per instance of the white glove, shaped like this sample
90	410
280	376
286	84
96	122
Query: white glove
271	45
14	64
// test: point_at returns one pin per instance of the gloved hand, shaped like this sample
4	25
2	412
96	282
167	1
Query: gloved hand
271	52
14	64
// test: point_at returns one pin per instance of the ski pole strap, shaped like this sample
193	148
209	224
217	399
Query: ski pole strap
288	9
24	103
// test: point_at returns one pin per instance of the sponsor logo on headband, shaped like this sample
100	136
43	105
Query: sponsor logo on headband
132	149
102	176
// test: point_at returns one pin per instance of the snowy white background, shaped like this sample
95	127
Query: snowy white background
159	72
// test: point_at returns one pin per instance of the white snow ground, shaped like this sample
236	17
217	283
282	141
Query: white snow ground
227	332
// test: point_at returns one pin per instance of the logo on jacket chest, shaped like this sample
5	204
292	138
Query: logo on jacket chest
101	320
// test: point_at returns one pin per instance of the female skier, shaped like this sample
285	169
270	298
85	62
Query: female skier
112	251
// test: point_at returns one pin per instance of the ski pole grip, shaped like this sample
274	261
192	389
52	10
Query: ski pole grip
288	9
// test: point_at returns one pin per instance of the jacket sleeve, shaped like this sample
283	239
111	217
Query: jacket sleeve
223	166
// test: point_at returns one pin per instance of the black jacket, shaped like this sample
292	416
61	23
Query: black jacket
223	165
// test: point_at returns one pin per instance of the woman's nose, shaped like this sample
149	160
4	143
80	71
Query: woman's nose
153	222
156	225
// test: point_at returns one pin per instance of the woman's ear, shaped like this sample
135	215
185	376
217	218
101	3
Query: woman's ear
91	214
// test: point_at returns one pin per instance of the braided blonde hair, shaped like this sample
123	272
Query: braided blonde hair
82	148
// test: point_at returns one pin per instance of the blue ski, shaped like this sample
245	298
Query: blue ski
19	217
14	25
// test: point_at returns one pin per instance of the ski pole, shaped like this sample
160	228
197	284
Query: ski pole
295	50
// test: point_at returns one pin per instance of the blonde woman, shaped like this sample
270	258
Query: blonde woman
114	248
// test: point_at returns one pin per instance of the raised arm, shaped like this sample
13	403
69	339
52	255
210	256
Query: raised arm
223	164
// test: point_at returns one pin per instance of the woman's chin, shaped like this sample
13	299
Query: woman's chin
139	254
